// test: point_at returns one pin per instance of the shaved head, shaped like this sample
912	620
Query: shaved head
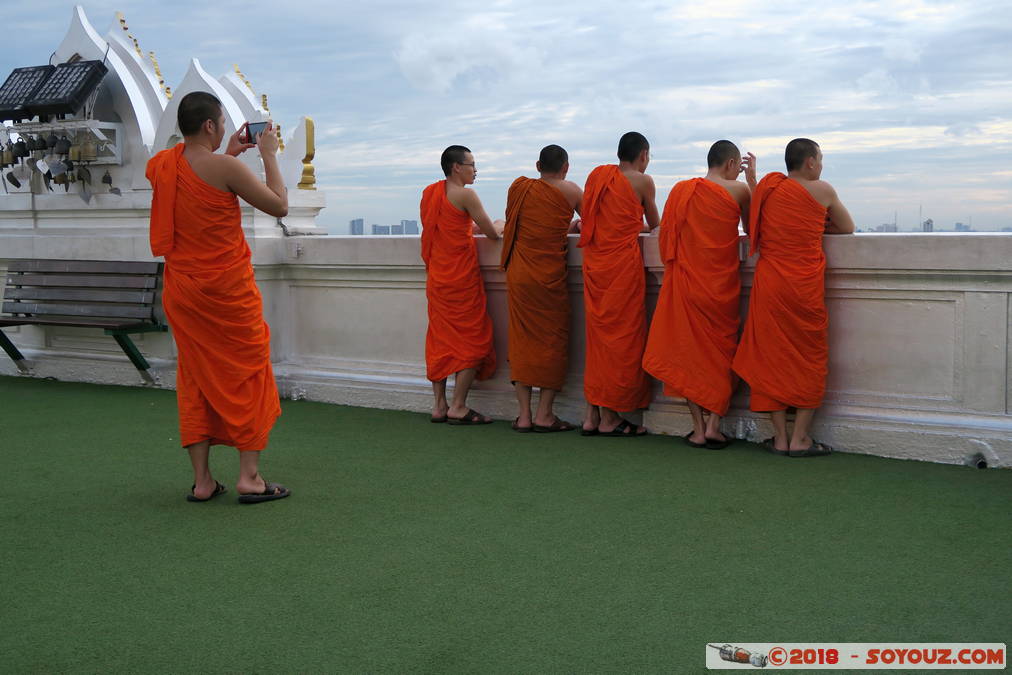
552	158
799	150
631	145
720	152
196	108
455	154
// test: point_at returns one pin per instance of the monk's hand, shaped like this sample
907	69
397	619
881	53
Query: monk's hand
499	226
574	227
748	165
267	141
235	146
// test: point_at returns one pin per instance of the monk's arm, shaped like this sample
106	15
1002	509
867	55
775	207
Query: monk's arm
840	221
744	203
271	198
477	212
650	203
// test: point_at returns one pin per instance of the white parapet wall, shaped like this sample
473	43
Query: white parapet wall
919	335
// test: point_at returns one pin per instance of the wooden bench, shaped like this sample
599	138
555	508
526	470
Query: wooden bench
119	297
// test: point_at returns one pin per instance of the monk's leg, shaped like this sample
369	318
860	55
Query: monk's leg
611	419
800	440
203	482
591	418
524	400
545	415
713	432
780	438
250	481
461	385
698	424
440	406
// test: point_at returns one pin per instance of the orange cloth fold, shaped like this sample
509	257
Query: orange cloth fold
694	330
224	382
614	292
460	330
784	352
534	258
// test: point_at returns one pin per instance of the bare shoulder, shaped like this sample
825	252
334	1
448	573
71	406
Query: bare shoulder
821	190
643	183
737	189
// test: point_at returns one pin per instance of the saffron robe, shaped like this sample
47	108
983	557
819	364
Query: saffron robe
784	352
224	381
614	292
459	335
534	258
694	330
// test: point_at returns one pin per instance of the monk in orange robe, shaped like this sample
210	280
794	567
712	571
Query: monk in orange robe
224	381
694	331
459	337
539	213
615	201
784	353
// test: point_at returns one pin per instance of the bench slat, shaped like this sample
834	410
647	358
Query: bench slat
85	295
122	281
117	311
75	323
84	266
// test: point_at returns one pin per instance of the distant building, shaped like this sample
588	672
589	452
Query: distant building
380	229
928	225
960	227
357	226
397	229
410	226
886	227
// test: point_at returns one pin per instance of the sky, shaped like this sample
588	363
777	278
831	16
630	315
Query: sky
911	100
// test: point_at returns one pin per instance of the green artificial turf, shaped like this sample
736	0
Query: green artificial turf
410	546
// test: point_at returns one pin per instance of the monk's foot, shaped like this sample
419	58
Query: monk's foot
439	412
622	428
247	486
803	444
466	416
698	439
205	488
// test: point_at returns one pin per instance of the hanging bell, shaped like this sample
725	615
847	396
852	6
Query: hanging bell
8	155
21	149
89	151
51	141
107	177
63	145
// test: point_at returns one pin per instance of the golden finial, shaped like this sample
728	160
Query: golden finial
242	77
158	72
308	180
263	103
281	139
123	23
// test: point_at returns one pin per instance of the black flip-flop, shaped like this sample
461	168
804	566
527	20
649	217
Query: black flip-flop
519	429
219	489
471	418
619	431
438	420
714	444
271	492
816	449
557	425
691	443
589	432
770	445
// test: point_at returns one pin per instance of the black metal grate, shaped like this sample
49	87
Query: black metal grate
67	88
21	85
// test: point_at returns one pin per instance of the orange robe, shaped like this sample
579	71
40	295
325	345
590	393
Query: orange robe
784	353
224	381
460	330
614	292
534	257
694	330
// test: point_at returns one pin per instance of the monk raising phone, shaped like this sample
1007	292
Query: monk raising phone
224	381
